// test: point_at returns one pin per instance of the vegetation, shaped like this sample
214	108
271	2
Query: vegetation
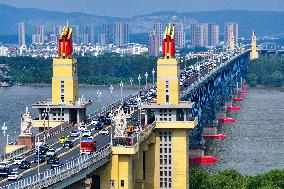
231	179
266	71
108	68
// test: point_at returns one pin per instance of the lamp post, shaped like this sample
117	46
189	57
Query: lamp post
146	76
121	85
48	110
153	73
4	129
131	81
111	89
139	79
99	93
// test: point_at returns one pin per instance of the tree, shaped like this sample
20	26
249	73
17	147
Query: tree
252	79
276	78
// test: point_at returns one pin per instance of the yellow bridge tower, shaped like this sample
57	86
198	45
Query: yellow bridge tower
65	105
232	41
253	53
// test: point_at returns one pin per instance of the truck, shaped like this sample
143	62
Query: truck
88	146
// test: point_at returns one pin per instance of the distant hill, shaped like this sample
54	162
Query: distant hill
265	23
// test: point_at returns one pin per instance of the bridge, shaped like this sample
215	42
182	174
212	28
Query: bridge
175	118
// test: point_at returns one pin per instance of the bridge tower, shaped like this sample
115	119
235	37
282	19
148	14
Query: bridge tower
232	41
65	105
172	121
254	52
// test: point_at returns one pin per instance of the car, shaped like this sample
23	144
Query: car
41	150
53	166
104	131
74	133
53	160
62	139
40	158
68	144
25	165
50	153
18	160
4	164
86	133
82	128
99	126
94	122
4	172
14	176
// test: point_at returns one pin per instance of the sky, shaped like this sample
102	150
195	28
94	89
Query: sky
128	8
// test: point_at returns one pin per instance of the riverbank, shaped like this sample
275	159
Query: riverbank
234	180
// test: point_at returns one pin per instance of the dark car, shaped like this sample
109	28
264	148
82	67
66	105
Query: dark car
42	150
4	172
53	160
68	144
41	159
99	126
25	165
105	120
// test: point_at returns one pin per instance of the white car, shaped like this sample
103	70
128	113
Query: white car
74	133
14	176
94	122
18	160
4	164
86	133
104	131
82	128
50	153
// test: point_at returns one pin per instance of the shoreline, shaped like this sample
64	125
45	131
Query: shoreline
80	85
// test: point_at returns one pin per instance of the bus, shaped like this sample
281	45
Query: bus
87	146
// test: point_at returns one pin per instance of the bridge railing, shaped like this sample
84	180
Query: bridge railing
52	131
65	171
136	138
15	153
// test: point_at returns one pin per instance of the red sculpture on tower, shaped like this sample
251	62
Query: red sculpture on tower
169	41
65	48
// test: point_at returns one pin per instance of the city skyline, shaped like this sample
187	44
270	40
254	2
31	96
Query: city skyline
119	9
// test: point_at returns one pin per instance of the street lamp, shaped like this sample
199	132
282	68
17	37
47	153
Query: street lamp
111	89
99	93
153	73
121	85
139	79
4	128
131	81
146	76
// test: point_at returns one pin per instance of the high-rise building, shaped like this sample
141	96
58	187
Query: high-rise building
213	35
121	34
199	34
106	32
231	27
57	30
158	27
102	39
22	35
179	35
154	43
90	34
75	36
38	37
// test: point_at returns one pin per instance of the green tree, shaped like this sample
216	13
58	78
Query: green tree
276	78
252	79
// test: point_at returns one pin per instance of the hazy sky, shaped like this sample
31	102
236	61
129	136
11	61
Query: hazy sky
127	8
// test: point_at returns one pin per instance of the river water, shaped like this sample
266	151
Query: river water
254	142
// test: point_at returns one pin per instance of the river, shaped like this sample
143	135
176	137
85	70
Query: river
254	142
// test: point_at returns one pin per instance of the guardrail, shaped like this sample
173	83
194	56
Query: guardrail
52	131
65	171
15	153
136	138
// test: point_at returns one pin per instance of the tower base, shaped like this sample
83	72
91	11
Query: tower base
28	141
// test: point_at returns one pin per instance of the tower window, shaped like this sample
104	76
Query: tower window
167	98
